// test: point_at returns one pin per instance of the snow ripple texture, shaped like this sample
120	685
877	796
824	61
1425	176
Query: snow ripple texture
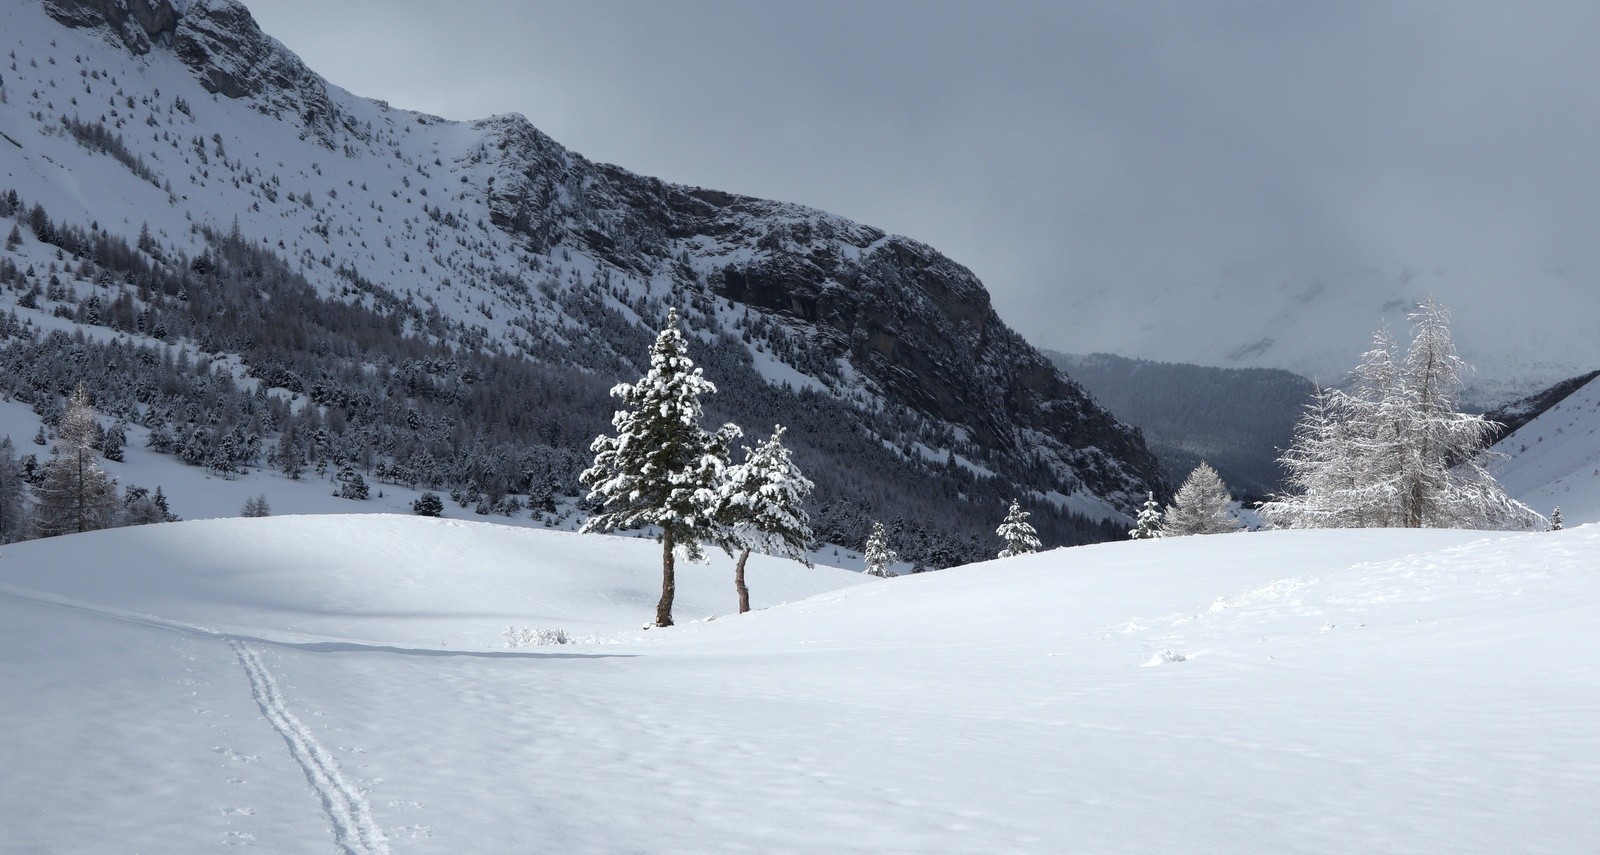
353	827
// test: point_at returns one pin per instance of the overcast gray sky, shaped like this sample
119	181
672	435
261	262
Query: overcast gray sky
1054	148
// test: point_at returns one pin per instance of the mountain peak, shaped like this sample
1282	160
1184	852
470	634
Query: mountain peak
225	49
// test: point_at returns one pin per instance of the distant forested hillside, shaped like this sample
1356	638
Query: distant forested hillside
1236	419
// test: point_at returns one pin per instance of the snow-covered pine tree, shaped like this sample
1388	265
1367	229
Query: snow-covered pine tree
1394	451
760	505
428	505
1148	525
1019	536
1200	506
1555	515
879	555
661	469
115	439
76	495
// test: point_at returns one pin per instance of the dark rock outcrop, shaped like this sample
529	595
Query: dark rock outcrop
138	24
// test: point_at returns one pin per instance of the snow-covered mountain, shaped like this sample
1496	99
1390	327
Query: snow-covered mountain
1553	460
309	684
1522	330
238	175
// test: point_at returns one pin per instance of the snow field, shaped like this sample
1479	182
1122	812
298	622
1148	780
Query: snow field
1397	691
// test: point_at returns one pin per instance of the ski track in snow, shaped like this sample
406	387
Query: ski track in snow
353	827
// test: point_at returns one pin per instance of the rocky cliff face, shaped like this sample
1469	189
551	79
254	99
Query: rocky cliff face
916	325
226	50
137	23
494	236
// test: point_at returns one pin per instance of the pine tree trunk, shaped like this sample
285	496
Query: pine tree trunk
669	583
82	499
738	582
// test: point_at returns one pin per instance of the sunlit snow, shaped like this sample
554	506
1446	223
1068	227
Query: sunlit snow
306	683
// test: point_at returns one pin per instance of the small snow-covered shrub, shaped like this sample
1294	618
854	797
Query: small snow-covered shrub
527	636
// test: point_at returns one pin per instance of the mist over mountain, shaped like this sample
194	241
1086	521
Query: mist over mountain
1520	330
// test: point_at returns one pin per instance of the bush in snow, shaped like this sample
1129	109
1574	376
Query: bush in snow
428	505
1555	519
879	555
523	636
661	469
351	484
1394	451
1200	506
1020	538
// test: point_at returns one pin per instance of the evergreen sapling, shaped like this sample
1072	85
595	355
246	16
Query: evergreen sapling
1019	536
1148	525
879	555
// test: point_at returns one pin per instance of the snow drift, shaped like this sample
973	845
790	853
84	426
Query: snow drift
307	684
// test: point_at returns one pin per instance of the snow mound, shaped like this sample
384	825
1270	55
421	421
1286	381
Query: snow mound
386	579
1163	657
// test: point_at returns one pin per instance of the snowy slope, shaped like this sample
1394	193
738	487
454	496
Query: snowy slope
1282	692
1554	460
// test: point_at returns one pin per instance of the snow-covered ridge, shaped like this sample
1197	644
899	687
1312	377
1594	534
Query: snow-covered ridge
1554	460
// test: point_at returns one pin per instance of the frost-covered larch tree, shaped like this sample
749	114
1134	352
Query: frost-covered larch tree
1394	451
761	506
661	468
1020	537
76	494
879	555
1200	506
1148	525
